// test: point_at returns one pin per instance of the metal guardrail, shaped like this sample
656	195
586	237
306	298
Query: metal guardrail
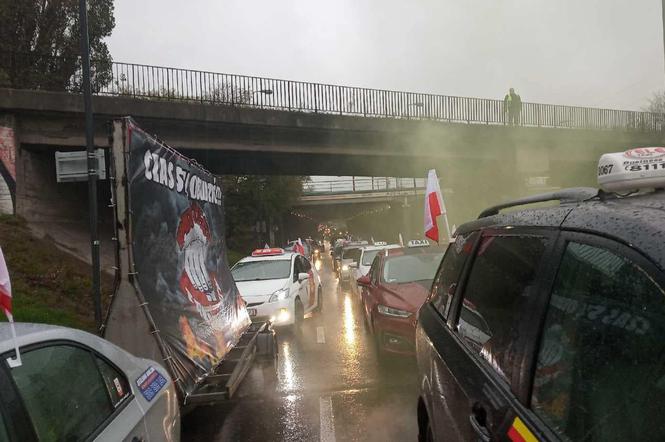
175	84
347	185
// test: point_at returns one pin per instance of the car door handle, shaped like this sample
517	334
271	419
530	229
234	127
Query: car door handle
481	430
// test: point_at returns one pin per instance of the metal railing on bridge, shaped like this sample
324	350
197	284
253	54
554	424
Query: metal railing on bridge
174	84
345	185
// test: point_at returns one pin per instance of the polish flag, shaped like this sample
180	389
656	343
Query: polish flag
298	247
5	289
6	306
434	206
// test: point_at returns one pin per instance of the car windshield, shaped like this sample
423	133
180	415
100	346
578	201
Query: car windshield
368	257
410	268
261	270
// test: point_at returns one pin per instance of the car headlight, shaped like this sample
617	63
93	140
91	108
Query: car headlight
345	267
389	311
279	295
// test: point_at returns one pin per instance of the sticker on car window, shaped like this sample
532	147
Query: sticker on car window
150	382
518	432
118	387
462	244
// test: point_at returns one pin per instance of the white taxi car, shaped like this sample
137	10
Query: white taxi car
71	385
278	286
367	255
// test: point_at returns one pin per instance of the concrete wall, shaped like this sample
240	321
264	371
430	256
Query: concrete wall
6	203
60	210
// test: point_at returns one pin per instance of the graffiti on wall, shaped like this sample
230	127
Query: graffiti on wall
8	150
8	160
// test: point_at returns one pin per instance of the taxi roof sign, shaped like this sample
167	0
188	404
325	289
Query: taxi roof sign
268	252
418	243
380	243
639	168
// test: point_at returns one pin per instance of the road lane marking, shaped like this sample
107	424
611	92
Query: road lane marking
320	336
327	430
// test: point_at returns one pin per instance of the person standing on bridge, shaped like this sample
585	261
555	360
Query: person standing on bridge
512	104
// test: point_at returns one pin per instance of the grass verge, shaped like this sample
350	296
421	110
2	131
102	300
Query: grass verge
48	285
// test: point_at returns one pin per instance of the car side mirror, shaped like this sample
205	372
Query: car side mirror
364	281
303	276
353	265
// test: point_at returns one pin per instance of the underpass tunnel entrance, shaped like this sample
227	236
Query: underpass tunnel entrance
285	199
378	208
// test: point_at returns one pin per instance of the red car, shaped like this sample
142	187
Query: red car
392	292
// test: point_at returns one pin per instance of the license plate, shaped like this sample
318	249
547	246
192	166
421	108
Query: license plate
251	311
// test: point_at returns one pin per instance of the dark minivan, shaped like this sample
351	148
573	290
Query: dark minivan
549	324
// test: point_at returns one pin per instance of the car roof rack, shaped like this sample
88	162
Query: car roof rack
572	195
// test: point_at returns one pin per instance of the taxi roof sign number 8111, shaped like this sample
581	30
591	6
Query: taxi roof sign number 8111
639	168
268	252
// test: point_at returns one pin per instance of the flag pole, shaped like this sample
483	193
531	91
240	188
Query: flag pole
445	218
16	361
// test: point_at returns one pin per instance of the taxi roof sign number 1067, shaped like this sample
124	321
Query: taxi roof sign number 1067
639	168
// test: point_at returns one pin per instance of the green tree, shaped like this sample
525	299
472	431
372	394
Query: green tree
656	103
40	43
249	199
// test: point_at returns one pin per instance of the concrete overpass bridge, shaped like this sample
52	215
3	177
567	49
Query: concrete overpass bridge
383	206
360	190
244	124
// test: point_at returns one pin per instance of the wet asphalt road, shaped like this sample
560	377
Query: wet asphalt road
329	386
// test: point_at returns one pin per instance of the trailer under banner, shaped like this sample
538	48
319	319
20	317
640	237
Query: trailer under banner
175	299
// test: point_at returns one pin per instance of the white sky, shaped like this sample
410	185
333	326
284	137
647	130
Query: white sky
606	53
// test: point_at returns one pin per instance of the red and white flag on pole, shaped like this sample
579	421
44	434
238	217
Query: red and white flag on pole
5	289
6	305
434	207
298	247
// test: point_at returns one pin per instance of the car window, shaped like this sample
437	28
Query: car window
501	280
63	392
296	268
306	265
374	270
411	268
352	254
368	256
450	271
116	384
261	270
601	364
